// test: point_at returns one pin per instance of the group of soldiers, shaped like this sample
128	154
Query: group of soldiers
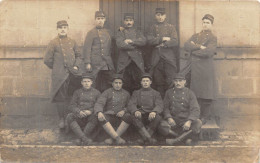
150	101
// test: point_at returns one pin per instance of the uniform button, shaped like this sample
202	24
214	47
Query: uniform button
102	54
182	92
182	103
182	98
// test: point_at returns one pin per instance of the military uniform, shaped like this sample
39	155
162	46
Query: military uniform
130	61
202	75
163	55
146	100
97	52
62	55
83	99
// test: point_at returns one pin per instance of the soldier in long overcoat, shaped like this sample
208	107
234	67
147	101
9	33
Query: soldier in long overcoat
64	58
202	47
130	61
162	36
97	53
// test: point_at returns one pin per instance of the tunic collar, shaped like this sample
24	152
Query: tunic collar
146	89
84	89
61	37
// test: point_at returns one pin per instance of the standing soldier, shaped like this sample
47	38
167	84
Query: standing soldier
64	58
202	47
162	36
181	113
82	108
111	108
130	61
146	105
97	53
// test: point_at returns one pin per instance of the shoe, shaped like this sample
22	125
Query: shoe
188	142
86	141
61	123
120	141
108	141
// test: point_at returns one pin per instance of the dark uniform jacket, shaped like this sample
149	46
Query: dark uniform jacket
112	101
97	49
130	52
181	104
203	82
146	100
84	99
162	50
61	56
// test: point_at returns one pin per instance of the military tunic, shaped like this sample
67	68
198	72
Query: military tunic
61	56
181	105
203	82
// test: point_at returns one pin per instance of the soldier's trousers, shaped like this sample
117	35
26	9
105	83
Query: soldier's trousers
115	121
132	77
103	80
164	127
163	75
151	126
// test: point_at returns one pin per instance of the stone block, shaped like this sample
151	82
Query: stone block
257	87
40	106
220	54
43	69
29	68
228	68
253	53
13	37
251	68
244	106
237	87
236	53
21	52
6	86
14	106
10	68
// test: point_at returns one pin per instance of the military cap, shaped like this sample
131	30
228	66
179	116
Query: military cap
87	75
147	75
129	16
160	10
179	76
99	14
209	17
118	76
62	23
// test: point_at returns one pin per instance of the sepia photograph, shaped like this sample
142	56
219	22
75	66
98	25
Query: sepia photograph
130	81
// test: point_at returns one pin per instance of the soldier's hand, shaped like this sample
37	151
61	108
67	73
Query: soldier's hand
192	42
88	112
171	122
75	68
121	113
128	41
203	47
101	116
88	67
138	114
187	125
121	28
166	39
151	116
81	114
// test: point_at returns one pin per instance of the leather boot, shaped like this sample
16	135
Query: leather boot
179	139
89	128
61	109
146	136
111	131
77	130
172	133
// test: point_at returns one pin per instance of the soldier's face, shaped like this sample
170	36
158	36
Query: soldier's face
129	22
117	84
206	24
160	18
100	21
179	83
86	83
63	30
146	82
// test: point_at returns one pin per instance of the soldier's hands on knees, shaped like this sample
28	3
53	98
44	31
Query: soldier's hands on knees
88	67
192	42
75	68
203	47
138	114
187	125
81	114
121	113
128	41
101	116
88	112
151	116
166	38
171	122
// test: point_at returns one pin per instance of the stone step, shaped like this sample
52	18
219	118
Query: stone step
210	131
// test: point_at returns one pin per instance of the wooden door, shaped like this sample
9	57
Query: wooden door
144	12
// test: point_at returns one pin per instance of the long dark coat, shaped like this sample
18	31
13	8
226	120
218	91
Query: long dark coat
203	82
61	56
130	52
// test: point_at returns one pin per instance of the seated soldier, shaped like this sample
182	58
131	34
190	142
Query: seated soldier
82	106
146	104
111	108
181	113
